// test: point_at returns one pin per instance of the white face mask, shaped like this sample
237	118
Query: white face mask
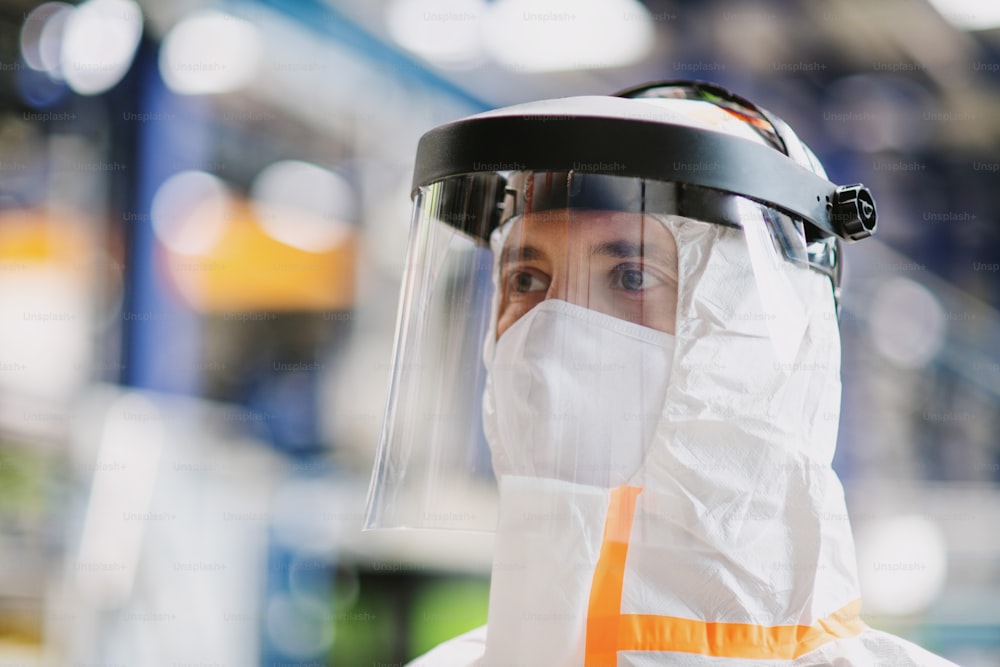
574	394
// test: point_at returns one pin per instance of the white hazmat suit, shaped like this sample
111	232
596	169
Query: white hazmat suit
731	544
666	488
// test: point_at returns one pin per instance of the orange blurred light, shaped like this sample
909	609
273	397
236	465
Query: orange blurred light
246	269
33	237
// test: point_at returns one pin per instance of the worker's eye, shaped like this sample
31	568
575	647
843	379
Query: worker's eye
633	278
521	281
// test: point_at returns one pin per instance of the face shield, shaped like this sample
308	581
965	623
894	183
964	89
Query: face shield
558	255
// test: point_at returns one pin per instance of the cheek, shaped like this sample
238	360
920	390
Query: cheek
513	310
503	323
656	309
659	309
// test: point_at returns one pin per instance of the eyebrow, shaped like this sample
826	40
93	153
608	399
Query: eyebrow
525	253
623	249
618	249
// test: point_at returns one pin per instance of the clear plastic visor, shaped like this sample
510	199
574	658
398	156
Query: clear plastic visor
539	321
619	263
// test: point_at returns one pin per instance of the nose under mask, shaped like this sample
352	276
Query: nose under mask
574	394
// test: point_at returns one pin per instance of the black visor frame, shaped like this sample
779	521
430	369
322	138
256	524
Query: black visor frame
561	135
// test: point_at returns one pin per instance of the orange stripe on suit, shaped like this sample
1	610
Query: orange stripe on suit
610	631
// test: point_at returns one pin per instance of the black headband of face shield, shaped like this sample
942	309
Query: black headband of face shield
629	143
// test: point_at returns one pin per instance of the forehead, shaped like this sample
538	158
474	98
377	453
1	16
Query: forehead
572	226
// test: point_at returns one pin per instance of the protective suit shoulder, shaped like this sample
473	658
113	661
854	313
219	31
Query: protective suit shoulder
872	647
894	650
462	651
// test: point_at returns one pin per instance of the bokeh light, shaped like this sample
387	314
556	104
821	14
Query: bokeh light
303	205
446	32
190	211
554	35
42	36
908	324
902	563
969	14
99	43
209	52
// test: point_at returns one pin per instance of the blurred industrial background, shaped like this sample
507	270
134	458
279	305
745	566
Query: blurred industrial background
203	217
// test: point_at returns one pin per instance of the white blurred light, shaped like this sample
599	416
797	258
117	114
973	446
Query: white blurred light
552	35
100	40
302	205
190	211
50	44
210	52
42	36
124	477
969	14
902	564
445	32
45	333
908	324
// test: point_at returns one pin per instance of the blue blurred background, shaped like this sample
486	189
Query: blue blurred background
203	217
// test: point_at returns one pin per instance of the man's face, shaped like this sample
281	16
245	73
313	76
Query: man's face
622	264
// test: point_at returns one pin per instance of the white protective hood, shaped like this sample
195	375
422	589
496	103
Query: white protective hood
732	544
